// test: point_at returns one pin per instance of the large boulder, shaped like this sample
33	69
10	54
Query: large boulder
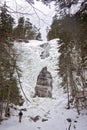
44	84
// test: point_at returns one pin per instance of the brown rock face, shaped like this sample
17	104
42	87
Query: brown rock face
44	84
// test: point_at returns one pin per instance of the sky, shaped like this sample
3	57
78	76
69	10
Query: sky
52	110
40	16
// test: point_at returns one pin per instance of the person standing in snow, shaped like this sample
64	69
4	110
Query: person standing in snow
20	115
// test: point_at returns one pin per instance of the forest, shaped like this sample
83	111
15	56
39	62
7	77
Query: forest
72	33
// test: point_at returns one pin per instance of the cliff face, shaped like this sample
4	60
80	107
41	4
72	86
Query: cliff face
44	84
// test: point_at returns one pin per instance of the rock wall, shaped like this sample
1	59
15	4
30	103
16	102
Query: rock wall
44	84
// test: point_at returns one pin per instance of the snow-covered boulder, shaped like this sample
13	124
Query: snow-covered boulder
45	52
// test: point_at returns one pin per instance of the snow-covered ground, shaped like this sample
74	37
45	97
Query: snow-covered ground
52	112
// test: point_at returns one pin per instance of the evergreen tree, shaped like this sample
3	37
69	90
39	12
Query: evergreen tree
28	28
25	30
9	91
38	37
6	24
19	31
31	31
71	31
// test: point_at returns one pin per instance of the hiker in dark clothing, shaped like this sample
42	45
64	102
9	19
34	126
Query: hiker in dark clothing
20	116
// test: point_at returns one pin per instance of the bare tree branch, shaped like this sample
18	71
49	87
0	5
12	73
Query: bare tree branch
21	85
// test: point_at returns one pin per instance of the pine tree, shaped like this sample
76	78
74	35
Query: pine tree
25	30
19	32
71	31
6	24
8	82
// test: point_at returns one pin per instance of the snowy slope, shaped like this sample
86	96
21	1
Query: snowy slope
52	110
